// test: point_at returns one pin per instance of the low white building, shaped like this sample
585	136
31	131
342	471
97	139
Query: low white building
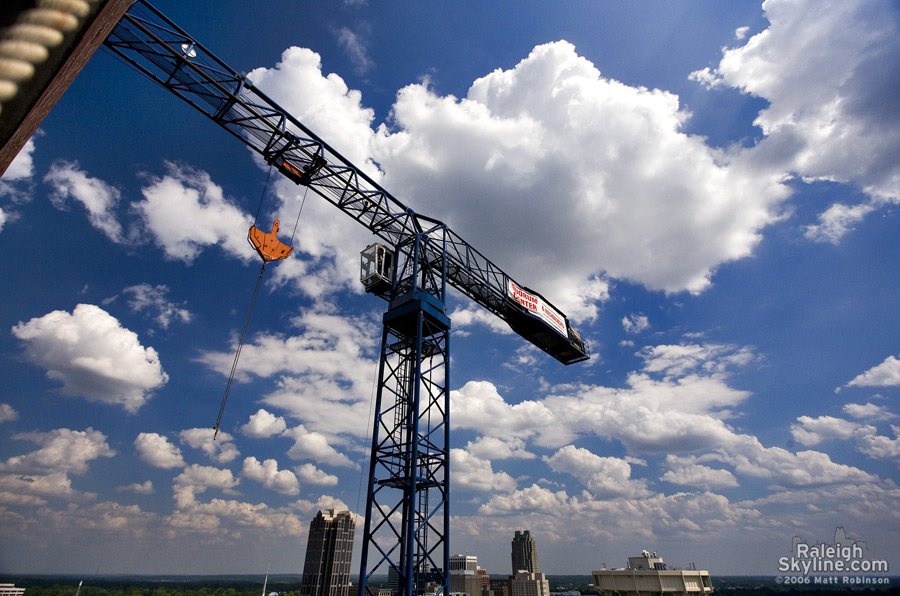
648	574
11	590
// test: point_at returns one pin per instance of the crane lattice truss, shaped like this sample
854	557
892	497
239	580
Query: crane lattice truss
407	519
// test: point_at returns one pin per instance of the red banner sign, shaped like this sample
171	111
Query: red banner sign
538	307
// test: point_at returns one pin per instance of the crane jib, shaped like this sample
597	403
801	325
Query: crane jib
164	53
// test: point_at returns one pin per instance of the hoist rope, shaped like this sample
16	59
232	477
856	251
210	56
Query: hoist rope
237	354
240	345
265	188
296	223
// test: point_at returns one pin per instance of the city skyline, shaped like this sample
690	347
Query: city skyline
708	190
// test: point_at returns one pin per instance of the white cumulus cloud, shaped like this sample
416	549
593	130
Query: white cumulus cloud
812	431
604	477
154	300
218	447
68	180
687	473
310	474
268	474
886	374
93	356
61	450
828	70
157	451
8	413
263	424
475	473
186	212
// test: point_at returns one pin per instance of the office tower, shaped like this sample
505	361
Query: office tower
524	553
329	549
464	576
526	583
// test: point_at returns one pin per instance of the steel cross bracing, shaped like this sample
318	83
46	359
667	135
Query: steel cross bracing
406	530
172	58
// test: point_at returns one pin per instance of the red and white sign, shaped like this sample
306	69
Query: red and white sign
538	307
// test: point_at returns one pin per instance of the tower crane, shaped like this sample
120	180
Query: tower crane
407	517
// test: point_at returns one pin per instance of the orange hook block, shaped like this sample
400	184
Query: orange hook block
269	247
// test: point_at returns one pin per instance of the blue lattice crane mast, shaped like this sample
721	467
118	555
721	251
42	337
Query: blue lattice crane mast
407	519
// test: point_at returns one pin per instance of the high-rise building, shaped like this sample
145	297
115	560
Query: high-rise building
463	576
524	553
329	549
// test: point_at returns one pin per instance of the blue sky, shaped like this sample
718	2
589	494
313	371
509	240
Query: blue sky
707	189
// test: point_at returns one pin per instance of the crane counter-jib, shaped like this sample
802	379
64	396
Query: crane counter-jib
166	54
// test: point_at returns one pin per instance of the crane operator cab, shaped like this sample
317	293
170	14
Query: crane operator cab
377	269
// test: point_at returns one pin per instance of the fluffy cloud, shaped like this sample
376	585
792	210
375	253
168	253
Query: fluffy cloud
310	474
676	405
220	449
788	469
530	499
268	474
474	473
157	451
472	314
153	299
604	477
29	479
812	431
8	413
355	47
833	110
478	405
869	411
327	371
326	104
263	424
16	180
30	490
315	446
635	323
886	374
142	488
680	412
868	441
93	356
22	166
185	212
683	471
67	180
61	450
196	479
613	159
499	448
